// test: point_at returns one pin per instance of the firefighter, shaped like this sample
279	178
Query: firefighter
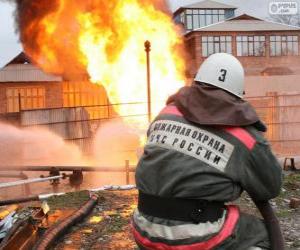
203	150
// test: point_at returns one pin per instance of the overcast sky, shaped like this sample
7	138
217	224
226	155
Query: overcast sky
9	46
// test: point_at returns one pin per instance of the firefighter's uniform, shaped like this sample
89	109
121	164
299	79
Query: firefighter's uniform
208	151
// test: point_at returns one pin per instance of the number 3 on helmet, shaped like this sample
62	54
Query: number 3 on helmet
223	71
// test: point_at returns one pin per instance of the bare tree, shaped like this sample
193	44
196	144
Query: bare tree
286	19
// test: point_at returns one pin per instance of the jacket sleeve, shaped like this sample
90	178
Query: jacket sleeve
262	177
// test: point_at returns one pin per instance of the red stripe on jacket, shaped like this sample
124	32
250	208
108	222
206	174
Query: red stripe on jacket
242	135
171	110
225	232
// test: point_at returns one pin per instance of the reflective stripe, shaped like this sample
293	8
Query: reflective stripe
191	140
179	232
226	231
242	135
171	110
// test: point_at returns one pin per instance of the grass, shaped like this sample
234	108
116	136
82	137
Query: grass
69	200
116	224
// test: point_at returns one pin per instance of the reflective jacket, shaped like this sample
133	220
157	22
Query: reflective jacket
215	163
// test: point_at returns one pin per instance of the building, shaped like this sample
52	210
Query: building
71	109
23	86
269	51
260	45
195	16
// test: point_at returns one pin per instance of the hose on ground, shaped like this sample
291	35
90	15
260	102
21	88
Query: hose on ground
55	232
272	223
19	200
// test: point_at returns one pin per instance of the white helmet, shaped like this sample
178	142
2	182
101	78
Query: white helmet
223	71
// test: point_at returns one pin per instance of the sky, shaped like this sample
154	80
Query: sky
10	47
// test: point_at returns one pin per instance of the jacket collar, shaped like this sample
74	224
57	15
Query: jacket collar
208	105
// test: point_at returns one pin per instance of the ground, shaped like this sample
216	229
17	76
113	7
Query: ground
108	227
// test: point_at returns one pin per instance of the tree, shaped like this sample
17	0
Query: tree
286	19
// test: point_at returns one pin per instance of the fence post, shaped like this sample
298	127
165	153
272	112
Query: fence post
20	102
127	171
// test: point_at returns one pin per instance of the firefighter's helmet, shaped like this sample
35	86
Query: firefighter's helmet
223	71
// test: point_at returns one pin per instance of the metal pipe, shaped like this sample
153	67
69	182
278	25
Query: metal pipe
64	168
19	200
20	102
15	176
35	180
127	172
148	50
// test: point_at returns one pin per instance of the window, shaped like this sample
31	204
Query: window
196	18
251	45
216	44
86	94
30	98
182	17
284	46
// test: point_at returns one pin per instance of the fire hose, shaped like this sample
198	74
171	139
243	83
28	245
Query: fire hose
272	224
19	200
53	233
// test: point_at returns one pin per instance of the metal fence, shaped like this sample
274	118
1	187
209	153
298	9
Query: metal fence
281	113
78	125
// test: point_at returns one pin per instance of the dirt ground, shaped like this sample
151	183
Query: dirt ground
108	227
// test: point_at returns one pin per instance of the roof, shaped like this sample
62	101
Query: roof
20	69
25	73
206	4
22	58
246	22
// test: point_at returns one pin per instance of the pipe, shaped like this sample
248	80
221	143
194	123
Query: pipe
19	200
56	231
64	168
15	176
148	50
40	197
35	180
43	197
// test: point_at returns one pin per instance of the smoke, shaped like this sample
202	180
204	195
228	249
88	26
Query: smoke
35	147
49	31
116	142
32	29
113	144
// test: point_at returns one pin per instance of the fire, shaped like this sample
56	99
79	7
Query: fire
106	39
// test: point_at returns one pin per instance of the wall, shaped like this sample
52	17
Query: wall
260	85
53	93
253	65
281	114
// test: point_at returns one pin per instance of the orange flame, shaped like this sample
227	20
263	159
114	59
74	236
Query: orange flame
106	39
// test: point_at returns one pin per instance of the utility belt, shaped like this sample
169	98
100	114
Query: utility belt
180	209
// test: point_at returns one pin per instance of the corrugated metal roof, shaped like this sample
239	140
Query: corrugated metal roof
207	4
25	73
248	24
